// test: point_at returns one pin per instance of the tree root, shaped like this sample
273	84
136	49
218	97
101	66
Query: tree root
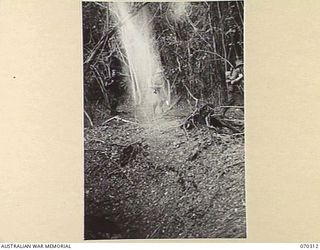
206	115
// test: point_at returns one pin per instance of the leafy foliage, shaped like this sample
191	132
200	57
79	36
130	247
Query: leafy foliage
196	49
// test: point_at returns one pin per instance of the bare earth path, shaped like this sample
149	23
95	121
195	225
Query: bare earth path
152	180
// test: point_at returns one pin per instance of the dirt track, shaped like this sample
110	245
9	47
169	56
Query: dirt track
153	180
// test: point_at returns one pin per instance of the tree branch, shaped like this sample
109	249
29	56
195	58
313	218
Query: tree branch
214	53
105	37
88	117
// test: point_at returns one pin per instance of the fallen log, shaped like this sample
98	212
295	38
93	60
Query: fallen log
119	119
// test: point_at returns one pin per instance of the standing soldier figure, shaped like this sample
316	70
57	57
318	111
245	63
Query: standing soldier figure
234	80
115	85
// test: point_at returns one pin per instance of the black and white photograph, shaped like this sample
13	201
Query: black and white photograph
164	127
